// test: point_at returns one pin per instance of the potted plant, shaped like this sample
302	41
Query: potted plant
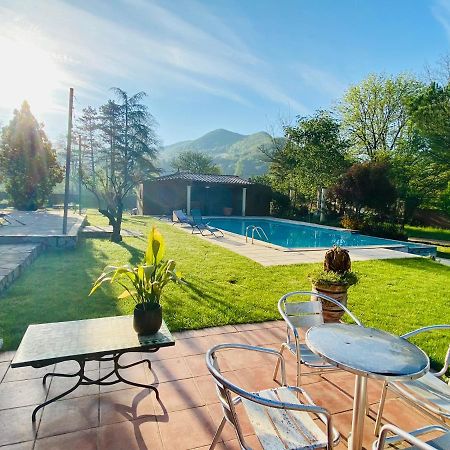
147	282
333	280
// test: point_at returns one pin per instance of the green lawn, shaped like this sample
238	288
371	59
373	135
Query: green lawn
440	234
223	288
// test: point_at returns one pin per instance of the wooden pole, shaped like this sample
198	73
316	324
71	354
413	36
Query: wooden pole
68	157
79	174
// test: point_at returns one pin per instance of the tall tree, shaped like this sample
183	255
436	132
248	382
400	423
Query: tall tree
313	156
374	114
195	162
27	161
87	127
128	130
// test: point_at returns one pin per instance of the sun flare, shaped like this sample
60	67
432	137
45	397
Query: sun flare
28	73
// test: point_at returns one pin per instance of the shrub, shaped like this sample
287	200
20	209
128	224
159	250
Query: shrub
384	229
351	222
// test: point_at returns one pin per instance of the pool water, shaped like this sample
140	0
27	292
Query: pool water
297	235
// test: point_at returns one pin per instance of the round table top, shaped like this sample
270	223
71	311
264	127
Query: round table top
367	351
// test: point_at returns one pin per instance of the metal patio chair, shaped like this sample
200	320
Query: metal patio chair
440	443
304	315
279	419
429	393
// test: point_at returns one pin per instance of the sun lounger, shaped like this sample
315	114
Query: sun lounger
203	227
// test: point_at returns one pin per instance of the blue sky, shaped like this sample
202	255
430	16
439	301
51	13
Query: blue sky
240	65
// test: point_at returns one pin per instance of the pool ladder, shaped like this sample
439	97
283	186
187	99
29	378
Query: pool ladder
258	231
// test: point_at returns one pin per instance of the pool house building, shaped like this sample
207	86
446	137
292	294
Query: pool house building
212	194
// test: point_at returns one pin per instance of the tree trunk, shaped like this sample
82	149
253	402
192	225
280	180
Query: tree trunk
115	222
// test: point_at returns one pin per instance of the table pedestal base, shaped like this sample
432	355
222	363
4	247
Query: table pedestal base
359	412
84	380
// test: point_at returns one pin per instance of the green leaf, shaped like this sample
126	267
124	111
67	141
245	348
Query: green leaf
155	248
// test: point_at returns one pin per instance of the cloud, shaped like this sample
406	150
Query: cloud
441	12
151	45
320	80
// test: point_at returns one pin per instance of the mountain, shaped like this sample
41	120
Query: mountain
234	153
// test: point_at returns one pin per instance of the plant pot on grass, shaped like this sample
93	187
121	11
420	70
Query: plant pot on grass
333	280
145	284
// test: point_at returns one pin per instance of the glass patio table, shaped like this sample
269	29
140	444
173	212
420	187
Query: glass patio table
104	339
367	353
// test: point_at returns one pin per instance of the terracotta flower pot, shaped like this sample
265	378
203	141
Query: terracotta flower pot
147	318
331	312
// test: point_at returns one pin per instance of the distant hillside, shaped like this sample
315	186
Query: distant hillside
236	154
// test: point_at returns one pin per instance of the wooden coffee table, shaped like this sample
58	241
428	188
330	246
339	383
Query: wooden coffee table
104	339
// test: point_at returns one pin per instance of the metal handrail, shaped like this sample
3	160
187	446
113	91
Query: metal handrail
257	229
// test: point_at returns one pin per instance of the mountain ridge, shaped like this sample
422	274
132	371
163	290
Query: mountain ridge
234	153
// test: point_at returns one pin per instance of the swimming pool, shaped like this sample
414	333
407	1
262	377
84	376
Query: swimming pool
292	235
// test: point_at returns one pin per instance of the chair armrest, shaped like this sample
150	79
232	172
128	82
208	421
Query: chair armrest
401	435
213	350
432	328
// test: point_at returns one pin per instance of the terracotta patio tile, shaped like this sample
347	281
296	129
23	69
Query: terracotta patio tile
224	329
84	439
16	425
228	432
124	359
69	415
26	373
178	335
187	429
343	423
194	346
126	405
265	336
168	370
22	446
207	387
228	338
239	359
138	374
328	396
59	385
135	435
71	366
7	356
198	367
3	368
346	382
162	353
178	395
22	393
402	415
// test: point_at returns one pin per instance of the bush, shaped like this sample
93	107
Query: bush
384	229
351	222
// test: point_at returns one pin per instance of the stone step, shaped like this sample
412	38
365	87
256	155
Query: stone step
14	258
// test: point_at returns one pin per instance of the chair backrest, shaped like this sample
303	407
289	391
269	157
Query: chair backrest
225	390
179	216
196	215
306	314
433	328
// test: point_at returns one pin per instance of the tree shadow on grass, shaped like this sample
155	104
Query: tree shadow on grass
137	255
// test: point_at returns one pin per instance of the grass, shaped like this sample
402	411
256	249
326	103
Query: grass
440	234
223	288
443	252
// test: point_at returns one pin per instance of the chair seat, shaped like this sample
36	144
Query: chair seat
440	443
283	429
309	358
431	390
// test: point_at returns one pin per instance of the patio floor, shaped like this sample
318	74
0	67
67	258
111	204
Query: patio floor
122	417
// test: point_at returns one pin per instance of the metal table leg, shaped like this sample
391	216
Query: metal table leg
359	413
84	380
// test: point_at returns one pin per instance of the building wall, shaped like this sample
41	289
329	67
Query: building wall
162	197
